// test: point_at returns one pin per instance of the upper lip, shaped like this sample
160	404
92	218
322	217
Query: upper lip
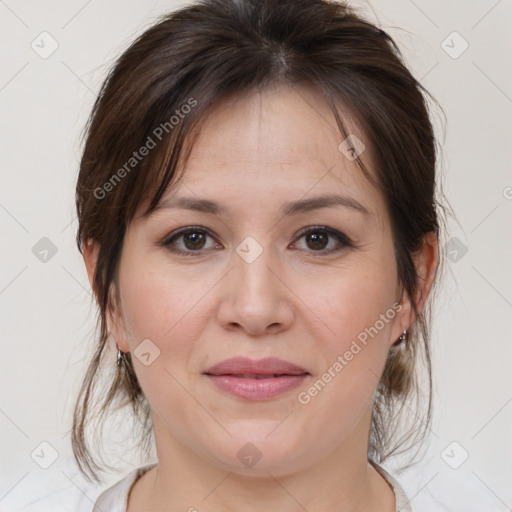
246	366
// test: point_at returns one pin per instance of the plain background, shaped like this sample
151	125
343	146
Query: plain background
47	321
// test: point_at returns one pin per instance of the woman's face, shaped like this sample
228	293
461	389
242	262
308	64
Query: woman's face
251	284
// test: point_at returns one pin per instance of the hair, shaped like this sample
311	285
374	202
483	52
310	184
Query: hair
157	95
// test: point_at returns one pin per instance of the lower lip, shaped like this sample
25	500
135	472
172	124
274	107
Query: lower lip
257	389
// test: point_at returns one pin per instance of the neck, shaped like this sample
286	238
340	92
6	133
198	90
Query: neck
343	481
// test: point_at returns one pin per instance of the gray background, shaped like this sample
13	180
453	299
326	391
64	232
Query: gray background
47	321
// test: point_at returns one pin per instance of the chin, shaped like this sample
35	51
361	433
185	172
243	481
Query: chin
256	453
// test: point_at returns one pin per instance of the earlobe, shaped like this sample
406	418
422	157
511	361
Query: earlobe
425	261
90	255
404	319
115	323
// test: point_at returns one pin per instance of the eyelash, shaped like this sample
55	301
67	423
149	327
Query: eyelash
342	238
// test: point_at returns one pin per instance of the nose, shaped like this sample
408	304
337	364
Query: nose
255	298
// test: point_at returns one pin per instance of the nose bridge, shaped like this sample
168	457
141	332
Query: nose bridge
257	299
254	272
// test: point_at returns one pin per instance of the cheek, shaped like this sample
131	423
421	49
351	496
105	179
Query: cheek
357	309
352	300
170	308
159	303
165	310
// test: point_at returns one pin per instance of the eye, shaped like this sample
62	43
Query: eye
192	239
319	238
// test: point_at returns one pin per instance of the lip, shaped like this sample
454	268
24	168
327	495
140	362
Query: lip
266	366
256	379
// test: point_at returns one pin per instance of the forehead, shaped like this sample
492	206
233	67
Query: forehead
281	143
283	124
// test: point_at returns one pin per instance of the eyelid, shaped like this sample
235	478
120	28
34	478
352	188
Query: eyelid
185	229
330	231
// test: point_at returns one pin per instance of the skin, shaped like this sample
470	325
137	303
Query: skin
255	153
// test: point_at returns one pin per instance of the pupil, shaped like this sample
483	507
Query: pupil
318	240
195	238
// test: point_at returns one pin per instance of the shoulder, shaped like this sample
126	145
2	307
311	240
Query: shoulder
65	490
51	490
115	498
402	501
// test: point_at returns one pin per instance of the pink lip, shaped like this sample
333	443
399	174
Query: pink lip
256	380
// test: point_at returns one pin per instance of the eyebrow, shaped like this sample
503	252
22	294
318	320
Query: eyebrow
288	209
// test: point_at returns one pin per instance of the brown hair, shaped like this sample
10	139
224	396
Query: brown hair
158	93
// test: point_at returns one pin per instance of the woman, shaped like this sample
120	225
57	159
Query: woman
257	215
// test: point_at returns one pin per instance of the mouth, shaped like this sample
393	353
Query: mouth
256	380
262	368
257	376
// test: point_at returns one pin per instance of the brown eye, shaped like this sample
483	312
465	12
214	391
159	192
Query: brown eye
190	241
318	239
194	239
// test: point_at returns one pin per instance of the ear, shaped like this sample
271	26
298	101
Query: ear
90	254
425	261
